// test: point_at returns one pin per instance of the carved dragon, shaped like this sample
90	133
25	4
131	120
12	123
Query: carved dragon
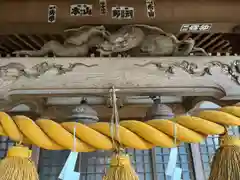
129	37
160	43
84	34
78	44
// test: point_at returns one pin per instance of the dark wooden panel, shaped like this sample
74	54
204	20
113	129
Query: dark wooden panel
18	15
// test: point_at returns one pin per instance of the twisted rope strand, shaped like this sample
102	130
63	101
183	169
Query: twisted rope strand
51	135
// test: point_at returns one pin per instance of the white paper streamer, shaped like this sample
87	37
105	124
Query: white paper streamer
68	172
172	161
177	174
173	171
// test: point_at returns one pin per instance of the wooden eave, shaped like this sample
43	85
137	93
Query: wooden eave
211	42
31	16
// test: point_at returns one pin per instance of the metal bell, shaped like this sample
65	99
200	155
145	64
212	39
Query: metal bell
159	110
84	113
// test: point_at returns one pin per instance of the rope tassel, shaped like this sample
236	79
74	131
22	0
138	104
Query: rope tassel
226	162
120	165
120	168
17	165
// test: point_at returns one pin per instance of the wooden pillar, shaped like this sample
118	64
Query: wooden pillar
154	168
79	164
197	162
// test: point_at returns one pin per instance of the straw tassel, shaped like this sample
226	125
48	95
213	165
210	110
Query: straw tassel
120	168
17	165
120	164
226	161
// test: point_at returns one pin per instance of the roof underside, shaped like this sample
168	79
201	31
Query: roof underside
211	42
26	26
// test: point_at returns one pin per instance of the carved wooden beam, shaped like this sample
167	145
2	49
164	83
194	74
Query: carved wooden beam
27	14
171	76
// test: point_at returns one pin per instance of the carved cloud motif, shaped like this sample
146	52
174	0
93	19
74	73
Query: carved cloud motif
232	69
19	69
12	71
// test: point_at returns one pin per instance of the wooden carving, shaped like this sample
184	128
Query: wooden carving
134	40
231	69
183	76
78	44
38	69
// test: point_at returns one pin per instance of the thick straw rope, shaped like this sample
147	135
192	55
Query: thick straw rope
51	135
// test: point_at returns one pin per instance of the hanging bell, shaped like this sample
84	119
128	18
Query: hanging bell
84	113
159	110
